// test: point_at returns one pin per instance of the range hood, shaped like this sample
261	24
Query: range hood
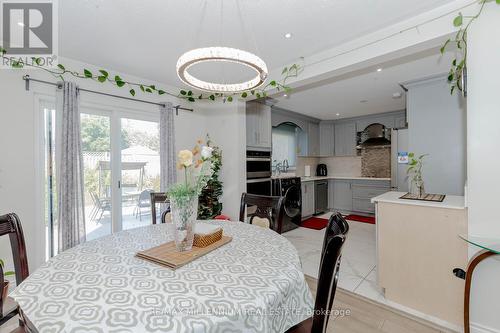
374	135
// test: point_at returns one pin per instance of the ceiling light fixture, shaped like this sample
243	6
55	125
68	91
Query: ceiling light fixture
21	24
222	54
379	70
288	35
216	54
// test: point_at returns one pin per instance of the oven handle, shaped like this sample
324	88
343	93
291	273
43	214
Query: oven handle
258	180
258	159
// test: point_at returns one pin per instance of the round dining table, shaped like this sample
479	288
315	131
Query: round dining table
252	284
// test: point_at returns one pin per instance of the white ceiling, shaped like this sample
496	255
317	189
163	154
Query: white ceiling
367	92
145	38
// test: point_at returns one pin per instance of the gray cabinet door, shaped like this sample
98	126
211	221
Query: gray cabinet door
345	139
258	125
342	195
400	121
326	139
313	134
331	185
307	199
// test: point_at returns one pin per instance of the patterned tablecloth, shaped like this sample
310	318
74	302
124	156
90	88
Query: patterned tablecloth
253	284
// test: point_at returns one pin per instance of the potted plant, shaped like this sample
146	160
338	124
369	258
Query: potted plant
184	195
5	287
209	201
414	172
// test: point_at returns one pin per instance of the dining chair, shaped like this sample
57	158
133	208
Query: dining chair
331	255
162	199
264	211
11	225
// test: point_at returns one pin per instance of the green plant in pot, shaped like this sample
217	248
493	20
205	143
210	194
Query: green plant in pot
414	173
5	284
209	204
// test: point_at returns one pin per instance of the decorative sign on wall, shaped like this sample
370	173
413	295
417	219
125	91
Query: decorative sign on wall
403	157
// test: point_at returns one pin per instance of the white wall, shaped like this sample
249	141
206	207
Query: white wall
483	119
20	180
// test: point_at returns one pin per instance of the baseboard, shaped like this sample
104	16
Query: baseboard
478	328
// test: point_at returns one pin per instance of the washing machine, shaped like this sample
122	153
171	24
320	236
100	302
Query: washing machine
290	188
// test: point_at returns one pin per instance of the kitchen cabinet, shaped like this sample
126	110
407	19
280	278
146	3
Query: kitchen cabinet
258	126
342	195
326	139
364	191
307	199
345	139
400	121
313	136
331	184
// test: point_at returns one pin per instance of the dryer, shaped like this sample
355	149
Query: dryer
290	188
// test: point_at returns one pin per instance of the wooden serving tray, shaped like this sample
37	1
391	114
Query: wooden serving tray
168	256
427	197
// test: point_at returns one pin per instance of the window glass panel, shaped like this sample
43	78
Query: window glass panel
284	144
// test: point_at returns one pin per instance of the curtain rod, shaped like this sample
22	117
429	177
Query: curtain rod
27	79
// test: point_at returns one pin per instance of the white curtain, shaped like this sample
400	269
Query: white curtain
168	172
69	168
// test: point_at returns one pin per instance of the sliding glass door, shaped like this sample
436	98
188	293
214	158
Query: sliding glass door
140	170
121	158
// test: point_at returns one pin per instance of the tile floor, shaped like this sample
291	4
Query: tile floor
358	270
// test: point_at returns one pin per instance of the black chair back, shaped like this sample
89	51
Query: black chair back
270	208
162	199
335	237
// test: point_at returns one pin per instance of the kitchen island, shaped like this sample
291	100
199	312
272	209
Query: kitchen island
418	246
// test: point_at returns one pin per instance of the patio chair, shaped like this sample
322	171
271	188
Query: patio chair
143	201
101	205
162	199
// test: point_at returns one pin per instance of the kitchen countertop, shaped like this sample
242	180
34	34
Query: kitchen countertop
313	178
450	201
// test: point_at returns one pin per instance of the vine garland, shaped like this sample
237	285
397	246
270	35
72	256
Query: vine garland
103	76
459	64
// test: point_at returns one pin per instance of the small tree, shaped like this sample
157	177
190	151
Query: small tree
209	205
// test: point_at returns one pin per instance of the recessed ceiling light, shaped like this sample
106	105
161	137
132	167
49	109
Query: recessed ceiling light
379	70
397	95
338	114
288	35
20	24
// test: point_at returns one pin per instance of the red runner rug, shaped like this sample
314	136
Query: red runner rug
359	218
314	223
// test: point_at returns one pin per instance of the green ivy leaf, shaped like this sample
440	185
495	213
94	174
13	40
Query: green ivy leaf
2	50
87	73
452	90
101	79
212	97
17	64
61	67
142	88
284	70
443	48
118	78
257	95
454	62
120	83
183	92
230	98
244	95
38	61
191	99
161	92
252	92
459	20
153	87
148	90
273	83
104	73
450	77
200	97
190	93
132	92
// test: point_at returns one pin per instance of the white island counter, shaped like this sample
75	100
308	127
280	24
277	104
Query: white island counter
418	246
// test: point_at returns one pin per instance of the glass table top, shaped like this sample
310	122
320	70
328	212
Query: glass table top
490	244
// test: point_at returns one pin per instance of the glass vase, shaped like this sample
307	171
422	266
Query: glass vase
184	213
418	188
